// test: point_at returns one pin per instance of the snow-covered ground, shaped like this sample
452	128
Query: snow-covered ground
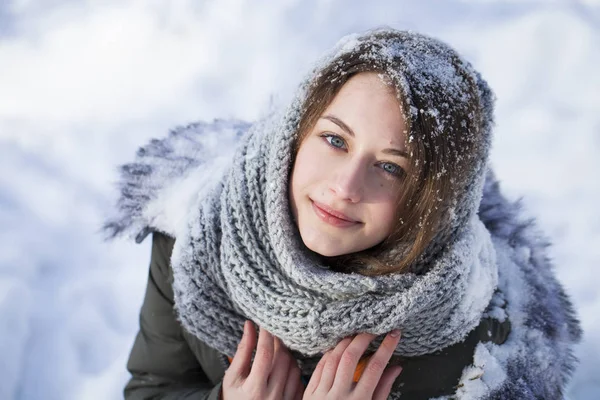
84	83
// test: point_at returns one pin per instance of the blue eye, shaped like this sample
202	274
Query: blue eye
334	141
391	168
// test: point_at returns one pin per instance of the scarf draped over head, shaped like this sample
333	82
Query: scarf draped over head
240	255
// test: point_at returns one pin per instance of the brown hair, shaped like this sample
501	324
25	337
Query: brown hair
440	156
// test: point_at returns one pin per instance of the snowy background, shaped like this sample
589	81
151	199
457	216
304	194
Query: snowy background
84	83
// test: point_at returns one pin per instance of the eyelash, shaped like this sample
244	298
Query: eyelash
327	136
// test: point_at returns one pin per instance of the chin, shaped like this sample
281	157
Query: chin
326	251
327	248
320	245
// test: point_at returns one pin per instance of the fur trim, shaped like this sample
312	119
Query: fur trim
538	356
169	175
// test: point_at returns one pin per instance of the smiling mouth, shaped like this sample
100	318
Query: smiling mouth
327	215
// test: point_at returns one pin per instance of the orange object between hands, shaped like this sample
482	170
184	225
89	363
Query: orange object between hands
357	373
360	368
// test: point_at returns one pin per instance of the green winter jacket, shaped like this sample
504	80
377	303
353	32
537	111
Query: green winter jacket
166	362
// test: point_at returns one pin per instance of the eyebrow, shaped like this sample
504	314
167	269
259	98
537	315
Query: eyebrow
350	132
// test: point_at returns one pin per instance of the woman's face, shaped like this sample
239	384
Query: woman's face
349	170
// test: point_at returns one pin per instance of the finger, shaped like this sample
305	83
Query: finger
263	359
377	364
331	365
315	378
280	369
382	391
299	393
293	383
350	358
240	365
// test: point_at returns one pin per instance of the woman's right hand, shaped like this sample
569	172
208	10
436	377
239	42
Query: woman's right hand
274	375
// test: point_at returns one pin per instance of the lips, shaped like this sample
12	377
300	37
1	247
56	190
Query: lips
331	216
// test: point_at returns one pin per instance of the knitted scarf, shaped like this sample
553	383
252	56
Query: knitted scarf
241	258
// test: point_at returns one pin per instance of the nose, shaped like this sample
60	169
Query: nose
349	182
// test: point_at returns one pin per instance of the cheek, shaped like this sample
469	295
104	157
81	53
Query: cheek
309	166
384	214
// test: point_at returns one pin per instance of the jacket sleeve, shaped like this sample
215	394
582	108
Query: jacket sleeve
161	363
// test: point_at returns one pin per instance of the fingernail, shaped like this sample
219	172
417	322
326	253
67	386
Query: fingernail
395	333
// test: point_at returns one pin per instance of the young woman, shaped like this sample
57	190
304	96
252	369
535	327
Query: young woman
360	231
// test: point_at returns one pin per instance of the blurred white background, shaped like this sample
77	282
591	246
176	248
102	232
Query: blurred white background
84	83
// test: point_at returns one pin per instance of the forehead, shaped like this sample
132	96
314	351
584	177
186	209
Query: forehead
375	81
368	105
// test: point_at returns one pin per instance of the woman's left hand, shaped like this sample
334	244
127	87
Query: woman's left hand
333	376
